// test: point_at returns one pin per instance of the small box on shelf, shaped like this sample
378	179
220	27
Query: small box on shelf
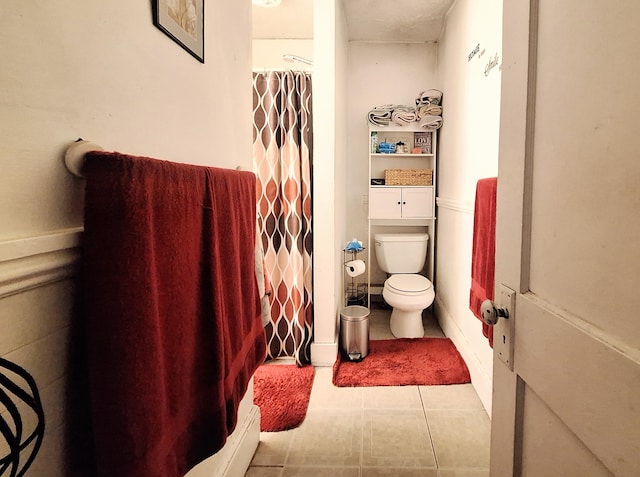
386	148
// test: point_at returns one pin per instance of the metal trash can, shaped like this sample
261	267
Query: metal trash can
354	332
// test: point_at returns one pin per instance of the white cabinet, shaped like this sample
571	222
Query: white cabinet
402	185
395	202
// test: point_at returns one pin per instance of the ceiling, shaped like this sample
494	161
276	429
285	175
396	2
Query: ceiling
367	20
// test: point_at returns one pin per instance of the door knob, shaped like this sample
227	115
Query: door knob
491	313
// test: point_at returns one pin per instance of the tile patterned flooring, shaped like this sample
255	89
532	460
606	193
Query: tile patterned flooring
425	431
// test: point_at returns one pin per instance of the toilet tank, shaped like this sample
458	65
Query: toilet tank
401	253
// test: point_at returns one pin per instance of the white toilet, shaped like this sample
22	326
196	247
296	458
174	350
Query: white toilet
403	256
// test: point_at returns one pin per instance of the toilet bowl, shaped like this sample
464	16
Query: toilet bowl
408	294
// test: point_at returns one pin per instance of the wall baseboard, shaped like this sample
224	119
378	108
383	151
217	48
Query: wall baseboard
235	457
482	381
375	289
324	354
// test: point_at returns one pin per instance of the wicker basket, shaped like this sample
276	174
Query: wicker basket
408	177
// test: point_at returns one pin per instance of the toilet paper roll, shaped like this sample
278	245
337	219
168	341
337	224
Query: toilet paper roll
355	268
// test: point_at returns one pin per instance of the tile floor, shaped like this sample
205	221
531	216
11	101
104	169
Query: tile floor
426	431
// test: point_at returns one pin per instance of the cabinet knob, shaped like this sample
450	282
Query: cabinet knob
399	202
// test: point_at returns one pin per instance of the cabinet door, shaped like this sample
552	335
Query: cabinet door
385	202
417	202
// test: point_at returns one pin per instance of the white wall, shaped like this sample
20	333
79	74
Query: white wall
468	152
379	73
102	71
329	151
341	155
267	54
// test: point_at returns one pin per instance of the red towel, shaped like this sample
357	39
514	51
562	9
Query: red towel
171	310
483	264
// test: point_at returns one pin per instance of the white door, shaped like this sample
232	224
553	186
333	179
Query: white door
568	241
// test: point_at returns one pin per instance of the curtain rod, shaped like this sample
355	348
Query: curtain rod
291	58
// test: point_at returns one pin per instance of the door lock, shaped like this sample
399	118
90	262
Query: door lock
491	313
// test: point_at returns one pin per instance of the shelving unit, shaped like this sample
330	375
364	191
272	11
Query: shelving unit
392	206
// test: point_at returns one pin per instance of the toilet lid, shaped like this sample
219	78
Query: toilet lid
409	282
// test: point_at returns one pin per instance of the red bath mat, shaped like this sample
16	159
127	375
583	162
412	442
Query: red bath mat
282	392
403	362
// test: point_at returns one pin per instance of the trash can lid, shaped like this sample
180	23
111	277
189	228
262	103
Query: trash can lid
354	313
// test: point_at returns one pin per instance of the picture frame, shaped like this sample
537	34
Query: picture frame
183	22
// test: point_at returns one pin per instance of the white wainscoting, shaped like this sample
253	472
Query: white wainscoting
481	377
455	205
31	262
482	381
234	458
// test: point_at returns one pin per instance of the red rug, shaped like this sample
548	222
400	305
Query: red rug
403	362
282	392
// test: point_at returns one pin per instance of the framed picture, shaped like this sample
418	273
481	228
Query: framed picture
183	21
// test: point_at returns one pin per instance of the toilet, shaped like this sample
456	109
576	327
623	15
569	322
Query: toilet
403	256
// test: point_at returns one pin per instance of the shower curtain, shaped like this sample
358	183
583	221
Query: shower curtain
282	155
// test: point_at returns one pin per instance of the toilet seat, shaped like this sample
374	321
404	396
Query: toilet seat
408	284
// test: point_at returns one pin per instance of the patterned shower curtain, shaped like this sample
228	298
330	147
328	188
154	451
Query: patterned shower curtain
283	163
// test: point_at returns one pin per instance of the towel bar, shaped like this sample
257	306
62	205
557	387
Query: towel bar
74	156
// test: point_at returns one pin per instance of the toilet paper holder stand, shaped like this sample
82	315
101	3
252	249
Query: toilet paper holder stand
355	289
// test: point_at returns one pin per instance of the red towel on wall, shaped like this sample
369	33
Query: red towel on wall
171	310
483	263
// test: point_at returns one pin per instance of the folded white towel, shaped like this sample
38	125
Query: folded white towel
381	115
404	115
428	109
379	119
430	96
431	123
